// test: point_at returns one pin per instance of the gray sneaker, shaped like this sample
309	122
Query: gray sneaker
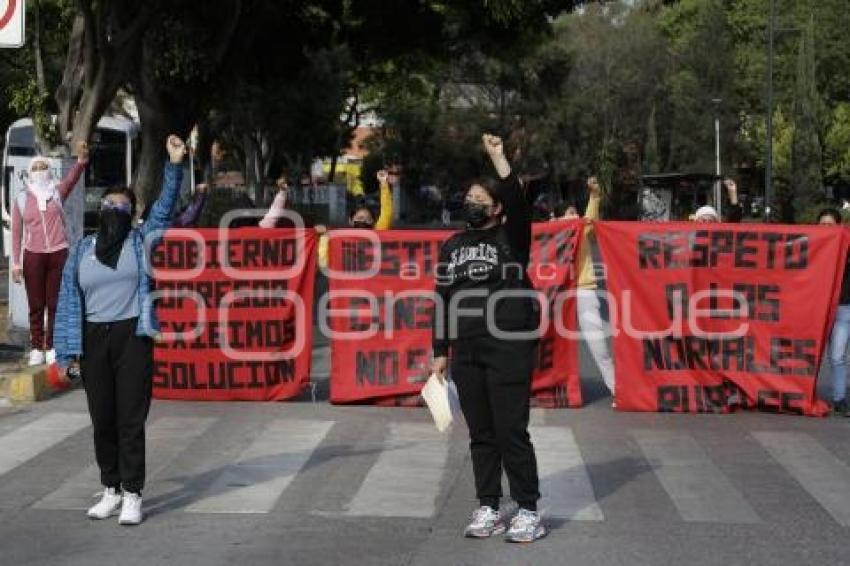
486	522
526	526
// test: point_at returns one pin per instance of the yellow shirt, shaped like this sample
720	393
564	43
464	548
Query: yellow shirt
384	222
586	276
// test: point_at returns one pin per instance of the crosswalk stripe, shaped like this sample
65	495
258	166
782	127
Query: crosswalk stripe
265	469
565	488
697	487
166	438
820	473
406	478
32	439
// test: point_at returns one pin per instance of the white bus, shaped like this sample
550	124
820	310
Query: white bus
114	151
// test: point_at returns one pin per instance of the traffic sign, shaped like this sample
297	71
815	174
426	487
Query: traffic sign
12	14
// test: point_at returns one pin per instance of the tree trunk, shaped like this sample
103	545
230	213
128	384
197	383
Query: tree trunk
71	89
105	39
158	120
159	117
40	116
154	131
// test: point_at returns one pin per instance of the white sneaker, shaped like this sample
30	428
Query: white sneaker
108	505
50	356
526	526
486	522
131	509
36	357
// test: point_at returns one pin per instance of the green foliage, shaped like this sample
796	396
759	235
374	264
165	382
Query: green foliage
806	174
28	100
19	92
837	144
618	89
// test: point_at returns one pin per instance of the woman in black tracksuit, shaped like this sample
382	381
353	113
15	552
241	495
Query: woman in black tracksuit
492	371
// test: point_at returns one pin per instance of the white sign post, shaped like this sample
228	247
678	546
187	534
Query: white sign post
12	23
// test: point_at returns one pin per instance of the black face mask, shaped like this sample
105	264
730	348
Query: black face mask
361	224
476	215
113	230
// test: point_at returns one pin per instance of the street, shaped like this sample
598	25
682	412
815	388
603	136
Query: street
305	483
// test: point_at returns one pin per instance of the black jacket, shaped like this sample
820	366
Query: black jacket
487	261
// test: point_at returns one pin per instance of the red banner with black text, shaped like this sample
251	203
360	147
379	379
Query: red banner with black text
235	309
716	317
381	302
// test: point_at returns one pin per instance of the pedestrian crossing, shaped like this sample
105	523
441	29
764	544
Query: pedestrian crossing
406	478
413	471
698	489
265	469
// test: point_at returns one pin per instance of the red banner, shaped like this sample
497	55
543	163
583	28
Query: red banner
380	306
235	311
714	317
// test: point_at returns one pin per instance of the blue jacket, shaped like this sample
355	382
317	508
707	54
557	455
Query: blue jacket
70	311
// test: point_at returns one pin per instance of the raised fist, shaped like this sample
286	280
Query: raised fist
82	151
176	149
493	144
593	186
383	176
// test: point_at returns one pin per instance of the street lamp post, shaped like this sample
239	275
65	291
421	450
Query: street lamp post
718	194
768	160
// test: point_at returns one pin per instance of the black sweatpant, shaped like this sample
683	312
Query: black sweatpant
493	379
117	371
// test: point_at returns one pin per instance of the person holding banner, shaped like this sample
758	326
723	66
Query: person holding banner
277	210
708	213
840	336
593	327
40	246
188	216
363	217
492	345
564	211
106	319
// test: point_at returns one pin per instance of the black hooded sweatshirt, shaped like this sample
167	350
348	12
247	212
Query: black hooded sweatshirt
487	261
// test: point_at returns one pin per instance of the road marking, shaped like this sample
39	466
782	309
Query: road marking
32	439
406	478
166	438
697	487
821	474
255	482
565	488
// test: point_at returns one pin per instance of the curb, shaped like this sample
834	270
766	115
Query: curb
26	385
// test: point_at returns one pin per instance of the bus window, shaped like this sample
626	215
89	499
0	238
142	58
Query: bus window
22	142
107	165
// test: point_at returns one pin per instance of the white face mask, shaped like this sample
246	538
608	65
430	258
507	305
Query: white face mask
39	184
40	178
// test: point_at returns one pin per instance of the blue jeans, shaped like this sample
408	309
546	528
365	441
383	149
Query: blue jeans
837	350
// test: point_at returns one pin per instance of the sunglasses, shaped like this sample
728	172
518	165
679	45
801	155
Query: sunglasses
107	204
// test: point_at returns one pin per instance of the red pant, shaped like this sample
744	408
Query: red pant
42	277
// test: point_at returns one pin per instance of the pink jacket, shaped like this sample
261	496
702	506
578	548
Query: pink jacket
42	232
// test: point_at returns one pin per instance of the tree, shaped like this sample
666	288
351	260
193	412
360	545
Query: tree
703	70
178	64
806	174
29	74
105	40
837	145
651	163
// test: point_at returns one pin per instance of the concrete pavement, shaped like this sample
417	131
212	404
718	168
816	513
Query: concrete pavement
305	483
